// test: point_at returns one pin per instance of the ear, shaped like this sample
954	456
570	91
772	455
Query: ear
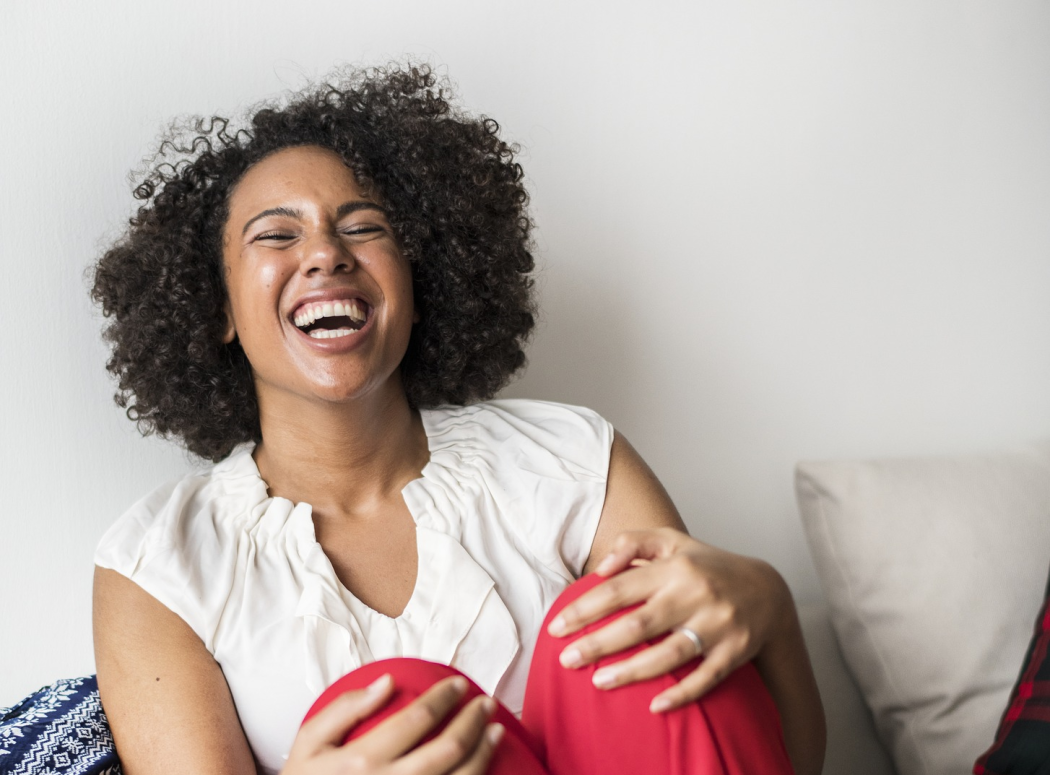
230	333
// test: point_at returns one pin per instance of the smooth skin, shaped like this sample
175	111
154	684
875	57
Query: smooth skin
339	434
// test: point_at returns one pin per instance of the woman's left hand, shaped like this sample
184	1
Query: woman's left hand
735	605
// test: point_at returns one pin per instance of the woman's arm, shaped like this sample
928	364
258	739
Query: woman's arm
740	606
165	696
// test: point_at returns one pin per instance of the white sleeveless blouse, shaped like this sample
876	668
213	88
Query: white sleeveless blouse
505	515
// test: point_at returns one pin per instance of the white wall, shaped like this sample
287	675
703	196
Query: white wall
768	231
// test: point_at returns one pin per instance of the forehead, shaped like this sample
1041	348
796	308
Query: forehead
293	176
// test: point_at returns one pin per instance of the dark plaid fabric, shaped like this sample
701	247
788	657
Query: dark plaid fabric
1022	744
59	730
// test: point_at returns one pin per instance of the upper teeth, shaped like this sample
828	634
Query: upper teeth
311	313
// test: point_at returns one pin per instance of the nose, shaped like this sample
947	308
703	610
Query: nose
325	254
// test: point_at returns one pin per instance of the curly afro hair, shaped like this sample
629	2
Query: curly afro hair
456	203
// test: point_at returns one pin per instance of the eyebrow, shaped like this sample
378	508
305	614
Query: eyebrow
341	212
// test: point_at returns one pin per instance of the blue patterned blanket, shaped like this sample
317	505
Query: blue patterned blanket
59	730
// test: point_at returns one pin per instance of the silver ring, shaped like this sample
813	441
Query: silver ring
698	645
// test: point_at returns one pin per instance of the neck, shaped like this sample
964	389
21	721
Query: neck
341	458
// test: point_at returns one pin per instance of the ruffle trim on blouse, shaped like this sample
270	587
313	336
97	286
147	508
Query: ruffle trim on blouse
428	628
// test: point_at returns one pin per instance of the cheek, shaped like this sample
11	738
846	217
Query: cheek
404	282
252	296
252	286
267	276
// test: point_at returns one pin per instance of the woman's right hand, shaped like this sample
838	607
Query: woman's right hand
464	747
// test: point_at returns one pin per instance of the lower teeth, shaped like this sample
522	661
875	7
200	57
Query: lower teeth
324	333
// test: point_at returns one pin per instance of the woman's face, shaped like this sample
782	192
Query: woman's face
320	295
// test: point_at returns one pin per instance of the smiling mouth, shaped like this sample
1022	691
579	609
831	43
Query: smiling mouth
331	319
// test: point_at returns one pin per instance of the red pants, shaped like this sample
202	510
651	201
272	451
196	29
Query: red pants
569	727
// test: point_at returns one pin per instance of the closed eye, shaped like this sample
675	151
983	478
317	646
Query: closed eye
280	236
363	233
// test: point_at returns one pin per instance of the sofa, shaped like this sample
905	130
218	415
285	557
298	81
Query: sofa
934	571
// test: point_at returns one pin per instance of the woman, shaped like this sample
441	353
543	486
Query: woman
321	305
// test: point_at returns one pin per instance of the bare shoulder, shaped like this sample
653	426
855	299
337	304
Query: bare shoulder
634	500
165	696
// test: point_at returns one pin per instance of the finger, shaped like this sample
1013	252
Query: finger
456	742
401	731
611	595
331	725
478	763
712	671
629	630
672	652
640	546
633	545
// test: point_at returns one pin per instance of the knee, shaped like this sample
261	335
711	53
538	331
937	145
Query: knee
575	590
545	643
411	678
412	675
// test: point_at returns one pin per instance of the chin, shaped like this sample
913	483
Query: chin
347	391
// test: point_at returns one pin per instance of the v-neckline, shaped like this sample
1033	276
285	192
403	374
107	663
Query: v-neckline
302	515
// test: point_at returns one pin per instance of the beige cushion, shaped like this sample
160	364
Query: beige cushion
853	747
933	570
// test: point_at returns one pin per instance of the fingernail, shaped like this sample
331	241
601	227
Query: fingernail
494	733
659	705
488	705
557	627
606	565
378	686
604	678
571	657
459	684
